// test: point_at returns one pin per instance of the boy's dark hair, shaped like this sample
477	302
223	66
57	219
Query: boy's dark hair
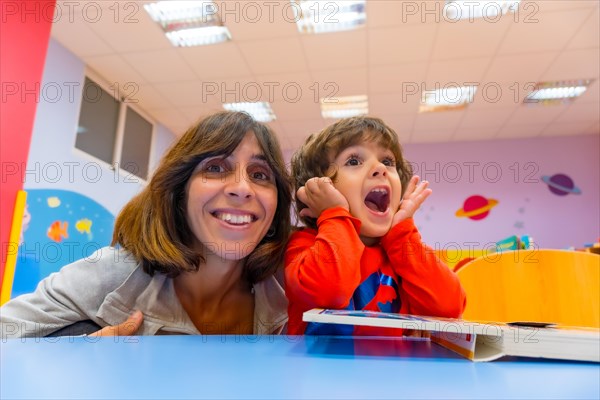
314	158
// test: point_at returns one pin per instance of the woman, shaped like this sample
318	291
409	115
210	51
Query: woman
199	246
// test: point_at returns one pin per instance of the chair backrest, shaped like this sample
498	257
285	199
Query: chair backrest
554	286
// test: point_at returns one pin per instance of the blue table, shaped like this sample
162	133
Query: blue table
260	367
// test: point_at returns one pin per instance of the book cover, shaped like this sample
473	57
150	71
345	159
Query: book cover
481	341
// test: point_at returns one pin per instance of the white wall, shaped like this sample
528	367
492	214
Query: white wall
53	161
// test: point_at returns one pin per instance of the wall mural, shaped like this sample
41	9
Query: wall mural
476	207
59	227
561	184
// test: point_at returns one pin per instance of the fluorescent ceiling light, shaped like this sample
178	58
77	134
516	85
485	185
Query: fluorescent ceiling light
189	23
322	16
451	98
344	107
557	92
469	9
260	111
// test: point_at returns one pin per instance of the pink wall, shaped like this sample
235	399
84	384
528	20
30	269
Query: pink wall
510	171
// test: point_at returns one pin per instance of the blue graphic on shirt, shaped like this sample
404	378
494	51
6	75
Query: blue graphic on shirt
363	295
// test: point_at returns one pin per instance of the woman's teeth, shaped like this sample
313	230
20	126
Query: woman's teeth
234	219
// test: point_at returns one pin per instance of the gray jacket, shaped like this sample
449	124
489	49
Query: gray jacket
107	287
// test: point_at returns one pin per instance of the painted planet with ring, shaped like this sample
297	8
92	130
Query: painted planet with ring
476	207
561	184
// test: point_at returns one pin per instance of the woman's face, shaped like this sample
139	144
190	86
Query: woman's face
231	201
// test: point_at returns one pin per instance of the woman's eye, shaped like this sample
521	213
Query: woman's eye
260	175
214	167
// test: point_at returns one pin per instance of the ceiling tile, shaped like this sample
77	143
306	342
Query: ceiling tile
402	12
203	60
296	132
148	97
188	94
304	108
580	112
194	114
84	43
268	57
252	20
336	50
539	31
265	56
469	38
116	71
574	64
344	82
153	65
446	121
394	103
401	78
401	124
501	94
128	27
291	87
396	45
456	72
532	7
589	34
528	114
592	94
486	117
172	118
511	67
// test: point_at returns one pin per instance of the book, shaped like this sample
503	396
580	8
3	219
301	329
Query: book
481	341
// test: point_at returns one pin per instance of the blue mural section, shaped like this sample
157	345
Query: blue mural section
59	227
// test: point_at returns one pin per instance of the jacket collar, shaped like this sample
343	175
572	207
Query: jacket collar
155	297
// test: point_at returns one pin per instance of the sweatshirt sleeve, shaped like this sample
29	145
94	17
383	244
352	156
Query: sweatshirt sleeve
323	266
429	287
71	295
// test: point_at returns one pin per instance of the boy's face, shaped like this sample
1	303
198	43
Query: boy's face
367	177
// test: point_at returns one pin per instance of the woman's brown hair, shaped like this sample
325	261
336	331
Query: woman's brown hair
314	158
153	225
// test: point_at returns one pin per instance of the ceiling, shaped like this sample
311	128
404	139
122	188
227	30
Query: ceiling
405	47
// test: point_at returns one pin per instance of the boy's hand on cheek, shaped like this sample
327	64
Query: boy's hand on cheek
319	194
415	194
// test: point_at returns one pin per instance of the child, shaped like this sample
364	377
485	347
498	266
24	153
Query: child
361	249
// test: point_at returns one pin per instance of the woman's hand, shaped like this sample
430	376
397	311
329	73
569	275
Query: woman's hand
319	194
127	328
414	196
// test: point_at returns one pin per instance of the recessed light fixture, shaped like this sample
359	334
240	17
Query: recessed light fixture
322	16
344	107
468	9
557	92
260	111
189	23
450	98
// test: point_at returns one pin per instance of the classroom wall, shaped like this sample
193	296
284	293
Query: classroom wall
508	171
512	172
53	162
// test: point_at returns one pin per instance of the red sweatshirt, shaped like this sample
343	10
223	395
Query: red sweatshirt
332	268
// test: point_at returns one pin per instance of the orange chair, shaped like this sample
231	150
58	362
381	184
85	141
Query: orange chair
554	286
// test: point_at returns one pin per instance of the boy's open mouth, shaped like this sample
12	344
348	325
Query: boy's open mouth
378	199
